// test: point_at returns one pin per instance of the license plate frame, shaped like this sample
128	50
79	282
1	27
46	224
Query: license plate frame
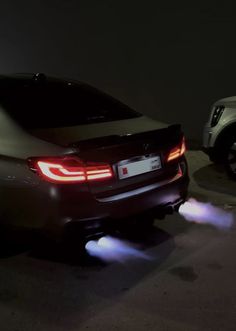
144	165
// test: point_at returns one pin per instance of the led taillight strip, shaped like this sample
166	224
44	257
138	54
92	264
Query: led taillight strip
98	176
61	173
177	151
48	171
97	171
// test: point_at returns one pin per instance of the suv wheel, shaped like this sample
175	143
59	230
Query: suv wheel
230	161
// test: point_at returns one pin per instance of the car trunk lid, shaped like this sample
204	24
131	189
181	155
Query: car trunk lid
137	160
135	149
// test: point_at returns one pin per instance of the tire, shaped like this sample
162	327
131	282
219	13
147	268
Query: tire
230	158
215	159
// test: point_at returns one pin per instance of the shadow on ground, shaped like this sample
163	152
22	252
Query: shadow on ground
58	277
213	177
69	252
193	145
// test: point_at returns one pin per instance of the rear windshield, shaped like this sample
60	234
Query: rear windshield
53	105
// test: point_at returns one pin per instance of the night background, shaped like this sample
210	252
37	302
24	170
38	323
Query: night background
170	60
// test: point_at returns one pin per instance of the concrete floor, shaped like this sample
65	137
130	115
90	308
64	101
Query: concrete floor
188	285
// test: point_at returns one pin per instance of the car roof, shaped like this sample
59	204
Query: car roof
27	78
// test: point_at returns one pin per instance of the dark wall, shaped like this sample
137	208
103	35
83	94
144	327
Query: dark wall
169	60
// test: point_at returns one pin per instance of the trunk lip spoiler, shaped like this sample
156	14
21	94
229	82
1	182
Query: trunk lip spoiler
111	140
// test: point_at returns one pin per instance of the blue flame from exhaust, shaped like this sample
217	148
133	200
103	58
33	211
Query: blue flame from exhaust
111	249
206	213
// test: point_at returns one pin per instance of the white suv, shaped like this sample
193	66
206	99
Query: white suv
219	138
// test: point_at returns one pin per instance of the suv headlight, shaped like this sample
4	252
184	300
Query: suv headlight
218	111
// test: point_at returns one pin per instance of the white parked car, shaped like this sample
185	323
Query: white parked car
219	138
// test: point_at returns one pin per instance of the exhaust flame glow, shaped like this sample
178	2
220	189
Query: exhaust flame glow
111	249
206	213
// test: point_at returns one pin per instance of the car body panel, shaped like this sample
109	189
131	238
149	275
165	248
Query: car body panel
28	200
66	136
228	100
211	134
52	207
17	143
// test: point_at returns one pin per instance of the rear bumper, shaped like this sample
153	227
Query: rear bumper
53	208
208	143
207	136
155	203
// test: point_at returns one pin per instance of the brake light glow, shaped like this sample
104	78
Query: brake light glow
58	173
71	170
176	152
98	173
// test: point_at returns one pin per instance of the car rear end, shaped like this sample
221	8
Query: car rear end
119	177
113	164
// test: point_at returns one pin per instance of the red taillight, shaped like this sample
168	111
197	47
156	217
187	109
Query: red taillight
177	151
98	172
70	170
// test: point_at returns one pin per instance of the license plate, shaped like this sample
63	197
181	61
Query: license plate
139	167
